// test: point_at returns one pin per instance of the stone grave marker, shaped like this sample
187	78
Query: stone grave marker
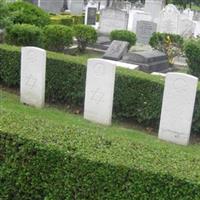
144	31
135	16
169	19
112	19
51	5
186	27
99	91
90	14
116	50
33	71
154	7
177	108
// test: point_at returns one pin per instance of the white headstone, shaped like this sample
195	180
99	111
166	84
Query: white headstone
135	16
188	13
99	91
154	7
51	5
186	27
33	71
112	19
169	19
177	108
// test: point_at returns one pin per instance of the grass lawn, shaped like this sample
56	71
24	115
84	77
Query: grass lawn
115	145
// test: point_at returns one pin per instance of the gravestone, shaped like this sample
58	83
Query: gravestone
90	14
188	13
169	19
76	6
186	27
116	50
154	7
112	19
177	108
51	5
148	61
99	91
144	31
135	16
33	70
196	16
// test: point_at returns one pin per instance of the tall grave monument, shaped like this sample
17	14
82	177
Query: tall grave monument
154	7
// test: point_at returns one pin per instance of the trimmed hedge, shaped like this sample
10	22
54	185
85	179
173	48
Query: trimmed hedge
25	35
138	96
43	159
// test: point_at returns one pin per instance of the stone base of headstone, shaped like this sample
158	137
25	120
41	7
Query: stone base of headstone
148	61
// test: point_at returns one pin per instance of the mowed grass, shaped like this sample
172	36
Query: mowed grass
137	149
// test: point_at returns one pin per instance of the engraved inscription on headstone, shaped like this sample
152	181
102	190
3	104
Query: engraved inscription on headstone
99	91
33	70
144	31
177	108
91	15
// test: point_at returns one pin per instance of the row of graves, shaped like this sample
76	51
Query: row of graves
153	17
177	106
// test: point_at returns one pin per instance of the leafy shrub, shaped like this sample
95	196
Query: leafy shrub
62	19
123	35
4	15
78	19
192	51
57	37
85	35
27	13
24	35
138	96
47	160
171	44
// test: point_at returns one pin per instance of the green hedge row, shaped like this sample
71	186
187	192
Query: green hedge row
44	160
138	96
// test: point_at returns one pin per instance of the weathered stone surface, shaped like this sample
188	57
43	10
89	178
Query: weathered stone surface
33	71
112	19
177	108
144	31
148	61
186	27
116	50
169	19
51	5
99	91
76	6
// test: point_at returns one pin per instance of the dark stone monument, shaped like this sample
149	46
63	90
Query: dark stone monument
148	61
91	16
116	50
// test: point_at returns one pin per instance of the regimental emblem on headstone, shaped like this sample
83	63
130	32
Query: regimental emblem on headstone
99	91
177	108
33	71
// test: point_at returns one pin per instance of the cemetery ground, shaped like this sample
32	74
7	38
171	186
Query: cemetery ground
62	155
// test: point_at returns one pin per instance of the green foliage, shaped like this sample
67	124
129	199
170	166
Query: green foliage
24	35
28	13
171	44
192	51
138	96
85	35
62	19
44	156
57	37
4	15
158	40
123	35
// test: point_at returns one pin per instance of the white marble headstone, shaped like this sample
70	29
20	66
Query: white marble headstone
186	27
169	19
99	91
33	72
177	108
